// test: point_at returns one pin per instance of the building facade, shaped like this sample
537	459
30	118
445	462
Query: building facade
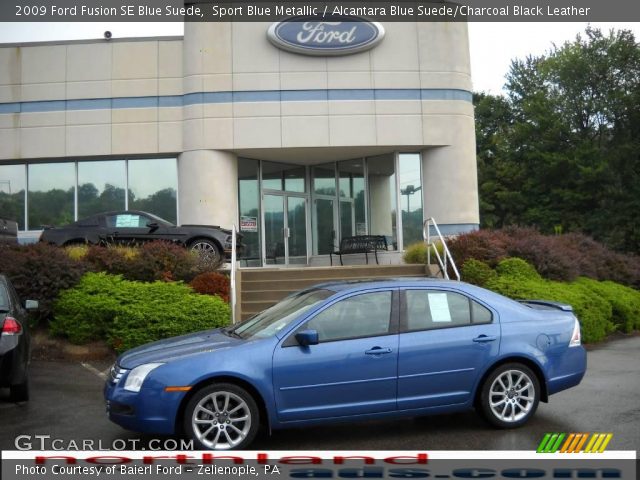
225	127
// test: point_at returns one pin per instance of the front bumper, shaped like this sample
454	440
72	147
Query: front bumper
152	410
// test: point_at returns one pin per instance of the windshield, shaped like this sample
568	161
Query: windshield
274	319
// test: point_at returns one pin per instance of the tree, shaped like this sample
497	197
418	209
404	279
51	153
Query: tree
563	147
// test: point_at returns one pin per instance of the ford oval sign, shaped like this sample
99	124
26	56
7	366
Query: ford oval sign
341	36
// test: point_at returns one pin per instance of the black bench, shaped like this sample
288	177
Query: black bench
361	244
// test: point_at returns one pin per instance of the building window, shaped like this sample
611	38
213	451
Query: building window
13	184
51	194
283	176
409	166
382	197
40	194
153	186
353	214
101	187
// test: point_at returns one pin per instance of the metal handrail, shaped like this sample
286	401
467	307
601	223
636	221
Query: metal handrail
448	258
233	275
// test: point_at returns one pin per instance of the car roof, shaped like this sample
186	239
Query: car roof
401	282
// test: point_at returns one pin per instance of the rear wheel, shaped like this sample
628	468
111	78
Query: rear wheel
207	251
221	417
510	395
20	392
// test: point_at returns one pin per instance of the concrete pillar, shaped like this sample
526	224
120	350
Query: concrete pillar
208	182
450	186
380	206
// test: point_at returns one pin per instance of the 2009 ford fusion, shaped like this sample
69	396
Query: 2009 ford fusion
352	351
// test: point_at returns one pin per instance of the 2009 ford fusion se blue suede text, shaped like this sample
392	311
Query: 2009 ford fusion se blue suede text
352	351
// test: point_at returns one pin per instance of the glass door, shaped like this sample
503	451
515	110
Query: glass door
347	218
274	233
296	230
285	229
324	226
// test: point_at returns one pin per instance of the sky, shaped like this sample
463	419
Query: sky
492	45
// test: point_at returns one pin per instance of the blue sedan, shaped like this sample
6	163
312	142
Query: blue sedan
352	351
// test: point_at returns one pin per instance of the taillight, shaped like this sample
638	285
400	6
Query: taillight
11	326
575	336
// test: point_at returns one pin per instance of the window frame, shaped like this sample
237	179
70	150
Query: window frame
394	319
404	308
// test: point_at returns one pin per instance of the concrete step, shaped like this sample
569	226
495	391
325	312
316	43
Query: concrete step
263	287
332	273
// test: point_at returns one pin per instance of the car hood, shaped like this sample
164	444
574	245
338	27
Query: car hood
170	349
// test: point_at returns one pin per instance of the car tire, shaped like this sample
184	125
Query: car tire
222	416
208	252
510	395
19	392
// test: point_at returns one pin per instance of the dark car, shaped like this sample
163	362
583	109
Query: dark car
135	227
15	342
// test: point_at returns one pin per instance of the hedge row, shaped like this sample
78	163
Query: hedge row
601	306
129	313
41	271
556	257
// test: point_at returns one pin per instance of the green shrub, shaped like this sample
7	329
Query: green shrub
624	301
518	280
416	253
129	313
77	252
477	272
517	268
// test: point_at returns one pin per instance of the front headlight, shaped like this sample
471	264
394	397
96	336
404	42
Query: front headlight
137	375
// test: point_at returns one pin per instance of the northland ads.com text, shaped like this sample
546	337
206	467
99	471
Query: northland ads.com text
220	12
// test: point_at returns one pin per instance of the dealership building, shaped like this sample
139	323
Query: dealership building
299	133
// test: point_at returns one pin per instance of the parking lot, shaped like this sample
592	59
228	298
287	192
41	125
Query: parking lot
67	404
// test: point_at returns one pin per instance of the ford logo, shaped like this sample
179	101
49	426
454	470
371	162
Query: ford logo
341	36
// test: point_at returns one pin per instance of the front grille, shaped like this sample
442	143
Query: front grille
116	373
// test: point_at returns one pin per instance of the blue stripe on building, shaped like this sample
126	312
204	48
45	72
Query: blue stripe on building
202	98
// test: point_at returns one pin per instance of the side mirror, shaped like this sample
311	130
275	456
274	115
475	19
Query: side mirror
31	304
307	337
153	226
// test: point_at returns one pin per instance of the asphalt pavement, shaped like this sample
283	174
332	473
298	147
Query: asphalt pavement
66	403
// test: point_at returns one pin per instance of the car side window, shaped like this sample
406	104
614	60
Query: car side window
480	314
366	315
431	309
127	220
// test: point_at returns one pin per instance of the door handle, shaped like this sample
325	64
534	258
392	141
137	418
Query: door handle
378	351
484	339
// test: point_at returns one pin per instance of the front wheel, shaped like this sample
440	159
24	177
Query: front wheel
221	417
510	395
